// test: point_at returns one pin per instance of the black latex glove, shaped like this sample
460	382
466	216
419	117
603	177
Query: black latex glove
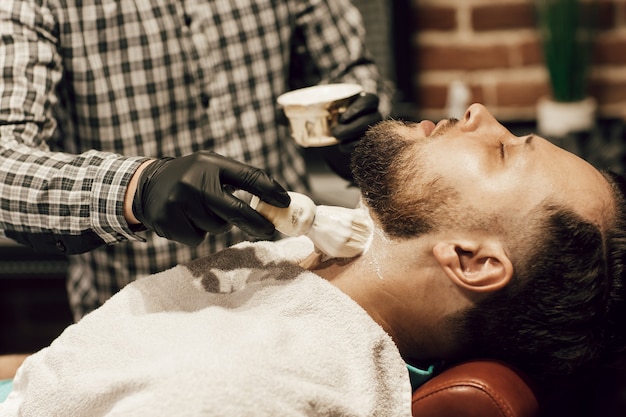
184	198
353	123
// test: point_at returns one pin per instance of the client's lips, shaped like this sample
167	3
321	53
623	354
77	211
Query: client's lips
427	126
442	124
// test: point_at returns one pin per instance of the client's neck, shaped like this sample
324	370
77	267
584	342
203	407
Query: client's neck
356	278
396	284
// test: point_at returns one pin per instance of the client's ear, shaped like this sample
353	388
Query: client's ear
477	266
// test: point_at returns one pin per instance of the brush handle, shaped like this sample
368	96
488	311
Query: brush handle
295	220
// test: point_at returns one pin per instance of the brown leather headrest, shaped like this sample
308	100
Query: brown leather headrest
481	388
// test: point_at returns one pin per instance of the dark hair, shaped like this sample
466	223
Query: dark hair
564	309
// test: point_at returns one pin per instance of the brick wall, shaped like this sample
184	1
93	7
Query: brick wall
494	48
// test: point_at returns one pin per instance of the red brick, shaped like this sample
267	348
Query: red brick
620	15
609	92
520	94
492	53
502	17
607	16
610	51
435	18
463	57
532	53
477	94
432	96
435	96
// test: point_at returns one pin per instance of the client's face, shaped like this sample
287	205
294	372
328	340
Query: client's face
423	176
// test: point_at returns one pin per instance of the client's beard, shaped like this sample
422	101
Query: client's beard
391	171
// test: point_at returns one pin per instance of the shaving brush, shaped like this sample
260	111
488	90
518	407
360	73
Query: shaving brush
338	232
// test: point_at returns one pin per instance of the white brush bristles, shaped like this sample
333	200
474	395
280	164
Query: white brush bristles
338	232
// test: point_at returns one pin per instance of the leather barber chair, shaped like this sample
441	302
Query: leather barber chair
478	388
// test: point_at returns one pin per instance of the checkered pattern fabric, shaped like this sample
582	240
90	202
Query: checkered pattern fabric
91	88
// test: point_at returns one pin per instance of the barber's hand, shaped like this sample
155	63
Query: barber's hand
354	122
184	198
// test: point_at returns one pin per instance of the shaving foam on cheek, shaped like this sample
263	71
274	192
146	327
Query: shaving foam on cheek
368	242
382	243
370	238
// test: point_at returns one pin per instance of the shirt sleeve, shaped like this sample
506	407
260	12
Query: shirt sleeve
49	200
333	47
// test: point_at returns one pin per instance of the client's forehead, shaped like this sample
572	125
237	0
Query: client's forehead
586	190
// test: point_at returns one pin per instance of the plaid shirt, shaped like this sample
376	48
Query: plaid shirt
91	88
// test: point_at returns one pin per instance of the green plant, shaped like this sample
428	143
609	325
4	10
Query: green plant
567	29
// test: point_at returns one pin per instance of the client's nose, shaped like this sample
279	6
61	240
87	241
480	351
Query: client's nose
478	117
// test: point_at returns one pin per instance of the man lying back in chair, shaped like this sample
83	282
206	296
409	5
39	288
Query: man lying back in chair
486	244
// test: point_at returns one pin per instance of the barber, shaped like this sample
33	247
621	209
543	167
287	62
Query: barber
123	140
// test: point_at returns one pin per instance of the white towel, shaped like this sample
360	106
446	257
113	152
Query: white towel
245	332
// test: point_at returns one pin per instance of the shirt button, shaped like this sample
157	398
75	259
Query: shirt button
60	246
205	100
